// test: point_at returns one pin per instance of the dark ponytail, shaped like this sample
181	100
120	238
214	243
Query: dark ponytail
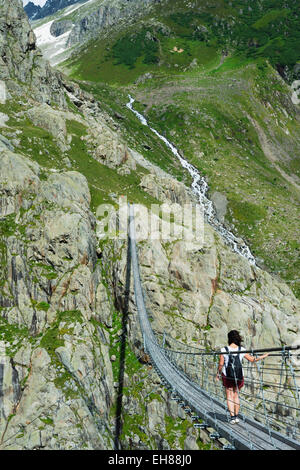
234	337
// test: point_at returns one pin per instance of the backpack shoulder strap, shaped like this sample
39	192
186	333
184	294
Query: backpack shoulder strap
226	348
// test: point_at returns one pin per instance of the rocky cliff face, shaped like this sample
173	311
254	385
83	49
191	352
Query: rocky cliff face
60	27
35	12
62	303
56	373
56	367
21	61
32	10
52	6
59	323
195	293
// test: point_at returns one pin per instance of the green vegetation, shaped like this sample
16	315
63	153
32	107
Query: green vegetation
104	181
52	340
242	27
208	110
271	16
139	138
105	184
210	119
53	337
8	225
127	50
123	57
47	420
43	306
14	336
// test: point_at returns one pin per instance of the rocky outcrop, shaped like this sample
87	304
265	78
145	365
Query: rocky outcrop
51	7
167	189
62	304
55	356
202	289
195	292
53	121
60	27
32	10
21	61
104	143
104	15
108	148
58	311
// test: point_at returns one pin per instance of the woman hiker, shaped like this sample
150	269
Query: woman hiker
230	365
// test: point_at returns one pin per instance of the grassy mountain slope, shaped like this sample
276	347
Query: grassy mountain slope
215	92
32	140
63	328
222	127
251	28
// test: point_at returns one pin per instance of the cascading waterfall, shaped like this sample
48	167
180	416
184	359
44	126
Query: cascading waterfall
200	188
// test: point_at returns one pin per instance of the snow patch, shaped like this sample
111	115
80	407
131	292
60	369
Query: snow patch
51	46
43	35
54	48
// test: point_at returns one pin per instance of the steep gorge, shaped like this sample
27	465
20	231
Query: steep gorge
62	285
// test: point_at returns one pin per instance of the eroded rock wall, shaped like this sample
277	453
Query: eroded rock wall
21	62
57	385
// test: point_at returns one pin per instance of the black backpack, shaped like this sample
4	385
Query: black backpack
234	370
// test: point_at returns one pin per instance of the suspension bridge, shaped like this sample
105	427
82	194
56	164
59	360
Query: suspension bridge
269	400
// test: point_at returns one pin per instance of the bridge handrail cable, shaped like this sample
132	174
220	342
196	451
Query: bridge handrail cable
207	401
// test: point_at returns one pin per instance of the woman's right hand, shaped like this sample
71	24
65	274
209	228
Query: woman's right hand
264	356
